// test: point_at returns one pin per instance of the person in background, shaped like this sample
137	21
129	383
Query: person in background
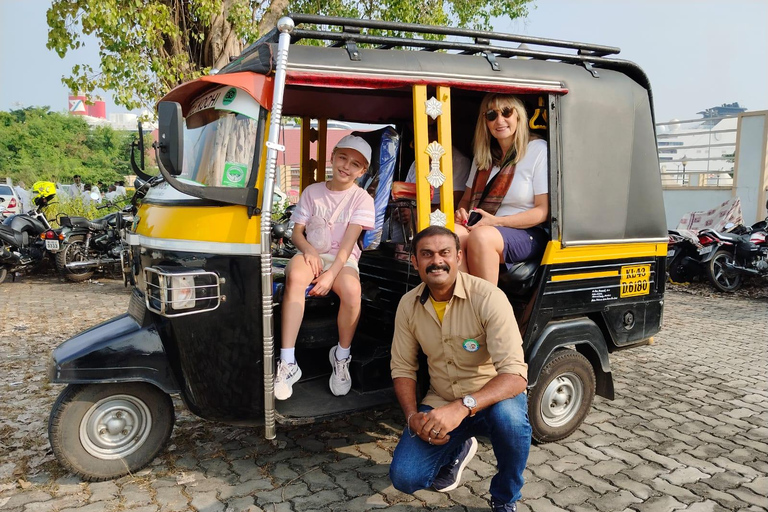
346	209
120	188
85	195
466	328
111	195
24	197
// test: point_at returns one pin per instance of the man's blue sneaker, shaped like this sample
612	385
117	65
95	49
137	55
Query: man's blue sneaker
449	476
497	506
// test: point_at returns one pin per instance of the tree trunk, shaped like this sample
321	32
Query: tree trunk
221	42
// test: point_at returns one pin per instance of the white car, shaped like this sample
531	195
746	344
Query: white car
10	205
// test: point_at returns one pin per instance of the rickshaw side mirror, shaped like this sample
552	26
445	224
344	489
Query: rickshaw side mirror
170	140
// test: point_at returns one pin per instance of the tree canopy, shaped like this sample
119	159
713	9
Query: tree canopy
147	47
37	144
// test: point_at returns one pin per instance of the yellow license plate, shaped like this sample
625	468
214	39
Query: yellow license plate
635	280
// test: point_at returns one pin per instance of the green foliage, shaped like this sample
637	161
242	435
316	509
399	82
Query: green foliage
37	144
75	207
147	47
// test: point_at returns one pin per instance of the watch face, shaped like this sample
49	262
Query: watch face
470	401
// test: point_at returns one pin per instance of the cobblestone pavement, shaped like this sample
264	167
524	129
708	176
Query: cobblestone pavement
688	431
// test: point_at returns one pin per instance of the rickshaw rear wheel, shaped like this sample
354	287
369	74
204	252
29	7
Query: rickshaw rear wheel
562	396
104	431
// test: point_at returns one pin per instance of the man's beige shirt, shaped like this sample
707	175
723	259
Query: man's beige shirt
477	311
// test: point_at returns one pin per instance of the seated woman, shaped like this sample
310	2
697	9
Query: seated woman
508	189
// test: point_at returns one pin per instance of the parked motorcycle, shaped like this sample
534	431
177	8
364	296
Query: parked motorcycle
90	245
683	260
24	237
282	231
732	257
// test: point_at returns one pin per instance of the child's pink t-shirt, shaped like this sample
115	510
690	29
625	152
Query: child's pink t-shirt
317	200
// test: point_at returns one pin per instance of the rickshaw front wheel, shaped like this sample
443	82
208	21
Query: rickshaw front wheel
562	396
104	431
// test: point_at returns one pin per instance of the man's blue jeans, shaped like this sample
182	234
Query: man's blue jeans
416	463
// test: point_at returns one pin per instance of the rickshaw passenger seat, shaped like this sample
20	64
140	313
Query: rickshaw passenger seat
377	180
518	280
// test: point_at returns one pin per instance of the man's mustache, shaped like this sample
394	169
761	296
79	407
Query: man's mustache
438	267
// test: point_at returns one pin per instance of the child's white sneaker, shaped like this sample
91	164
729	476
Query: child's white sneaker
287	375
340	382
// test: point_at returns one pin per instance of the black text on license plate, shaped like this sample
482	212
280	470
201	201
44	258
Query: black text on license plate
52	245
635	280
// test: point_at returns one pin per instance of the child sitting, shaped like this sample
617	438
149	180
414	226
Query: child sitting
348	210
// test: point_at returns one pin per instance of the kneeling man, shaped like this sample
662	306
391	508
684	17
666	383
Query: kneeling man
467	329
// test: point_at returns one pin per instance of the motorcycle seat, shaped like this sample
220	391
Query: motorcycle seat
98	225
79	222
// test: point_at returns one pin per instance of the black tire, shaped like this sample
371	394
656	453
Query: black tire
3	274
84	422
562	397
722	278
73	250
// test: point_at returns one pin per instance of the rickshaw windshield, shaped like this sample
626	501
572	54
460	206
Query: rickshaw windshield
219	142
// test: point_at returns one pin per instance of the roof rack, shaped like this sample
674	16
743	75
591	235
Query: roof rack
479	41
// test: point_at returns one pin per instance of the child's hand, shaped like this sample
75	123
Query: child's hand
323	284
313	260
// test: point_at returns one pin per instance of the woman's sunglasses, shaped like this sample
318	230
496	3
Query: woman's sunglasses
492	114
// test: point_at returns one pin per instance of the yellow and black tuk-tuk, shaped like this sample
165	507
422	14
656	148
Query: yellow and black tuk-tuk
203	318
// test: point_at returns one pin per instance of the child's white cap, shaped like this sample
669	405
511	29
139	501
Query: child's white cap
356	143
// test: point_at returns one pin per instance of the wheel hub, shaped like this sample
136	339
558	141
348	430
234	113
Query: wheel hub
115	427
562	399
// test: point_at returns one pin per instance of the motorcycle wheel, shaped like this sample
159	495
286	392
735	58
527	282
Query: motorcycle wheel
722	278
3	274
74	250
105	431
562	396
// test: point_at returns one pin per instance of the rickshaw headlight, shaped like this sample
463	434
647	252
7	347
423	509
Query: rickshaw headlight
176	291
183	292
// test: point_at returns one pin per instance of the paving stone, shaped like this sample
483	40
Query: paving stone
685	476
103	491
750	497
572	496
639	489
171	499
584	477
607	467
244	504
93	507
611	502
681	493
21	499
703	506
543	505
206	501
660	504
70	501
318	500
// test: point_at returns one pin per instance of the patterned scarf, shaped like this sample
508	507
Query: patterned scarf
488	196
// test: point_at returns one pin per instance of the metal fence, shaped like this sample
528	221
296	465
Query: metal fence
697	153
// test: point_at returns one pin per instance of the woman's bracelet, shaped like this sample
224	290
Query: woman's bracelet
408	424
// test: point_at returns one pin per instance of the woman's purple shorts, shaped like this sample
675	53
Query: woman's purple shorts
522	244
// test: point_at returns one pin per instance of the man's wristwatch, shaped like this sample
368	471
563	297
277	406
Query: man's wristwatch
470	403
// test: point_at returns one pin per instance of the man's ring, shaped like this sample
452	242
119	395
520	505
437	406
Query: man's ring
429	440
436	432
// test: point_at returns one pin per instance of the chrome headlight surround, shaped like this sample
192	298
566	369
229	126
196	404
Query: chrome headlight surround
180	291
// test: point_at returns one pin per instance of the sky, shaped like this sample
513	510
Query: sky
697	53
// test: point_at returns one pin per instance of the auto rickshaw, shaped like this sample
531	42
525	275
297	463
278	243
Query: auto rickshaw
203	319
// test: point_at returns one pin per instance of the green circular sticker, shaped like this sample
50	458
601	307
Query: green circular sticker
230	96
471	345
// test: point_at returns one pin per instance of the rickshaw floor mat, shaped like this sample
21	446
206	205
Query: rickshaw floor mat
313	401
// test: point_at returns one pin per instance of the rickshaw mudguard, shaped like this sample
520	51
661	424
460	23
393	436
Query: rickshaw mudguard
118	350
588	340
